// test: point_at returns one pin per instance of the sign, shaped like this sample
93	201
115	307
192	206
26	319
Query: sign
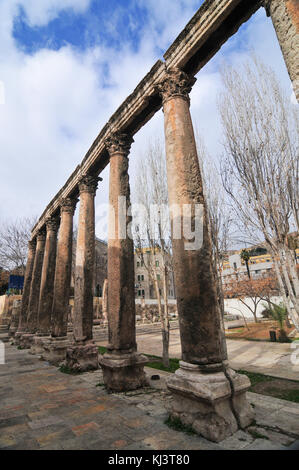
16	282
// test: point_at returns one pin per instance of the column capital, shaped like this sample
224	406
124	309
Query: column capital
119	143
175	83
32	244
52	224
41	235
88	184
68	205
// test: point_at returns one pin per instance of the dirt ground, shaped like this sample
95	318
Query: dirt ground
256	331
279	388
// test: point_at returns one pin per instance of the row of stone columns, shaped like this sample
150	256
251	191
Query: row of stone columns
205	390
207	394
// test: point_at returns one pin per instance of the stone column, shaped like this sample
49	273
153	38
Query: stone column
55	348
207	394
285	18
122	366
46	287
83	355
15	316
105	303
26	291
32	316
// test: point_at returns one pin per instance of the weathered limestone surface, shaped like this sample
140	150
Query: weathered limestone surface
47	279
26	289
203	401
54	350
83	297
38	343
203	388
83	355
121	291
63	269
34	290
285	18
122	366
105	302
199	313
15	315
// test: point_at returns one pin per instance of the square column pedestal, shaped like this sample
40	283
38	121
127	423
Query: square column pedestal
54	350
38	342
25	340
123	372
17	337
81	357
214	404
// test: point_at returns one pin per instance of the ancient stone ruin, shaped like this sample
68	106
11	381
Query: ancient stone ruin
208	395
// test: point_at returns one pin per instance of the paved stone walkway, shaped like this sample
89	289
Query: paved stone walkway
42	408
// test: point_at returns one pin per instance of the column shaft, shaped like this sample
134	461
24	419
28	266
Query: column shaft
121	291
199	314
207	395
285	18
122	366
85	253
47	279
35	284
63	270
27	285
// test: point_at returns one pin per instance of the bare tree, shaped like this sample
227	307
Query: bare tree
260	165
153	231
14	237
220	214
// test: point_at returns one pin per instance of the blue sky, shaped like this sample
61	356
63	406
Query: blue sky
66	65
104	22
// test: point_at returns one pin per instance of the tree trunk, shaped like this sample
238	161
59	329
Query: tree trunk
282	287
157	294
165	321
247	267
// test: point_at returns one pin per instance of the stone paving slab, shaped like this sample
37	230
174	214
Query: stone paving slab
42	408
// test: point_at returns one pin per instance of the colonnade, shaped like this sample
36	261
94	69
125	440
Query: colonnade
207	394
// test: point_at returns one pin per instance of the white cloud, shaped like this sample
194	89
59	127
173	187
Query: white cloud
58	101
40	13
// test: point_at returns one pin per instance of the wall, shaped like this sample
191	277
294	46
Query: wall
235	307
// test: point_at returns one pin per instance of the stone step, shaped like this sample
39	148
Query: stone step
4	338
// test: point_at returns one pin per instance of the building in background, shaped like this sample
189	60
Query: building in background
144	285
260	265
100	266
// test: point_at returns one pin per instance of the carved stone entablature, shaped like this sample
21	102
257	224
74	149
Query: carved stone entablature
52	224
88	184
32	244
119	143
266	4
68	205
41	234
175	83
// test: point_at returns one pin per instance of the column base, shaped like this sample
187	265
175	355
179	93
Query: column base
12	331
26	340
123	372
17	337
38	343
81	357
205	401
55	350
